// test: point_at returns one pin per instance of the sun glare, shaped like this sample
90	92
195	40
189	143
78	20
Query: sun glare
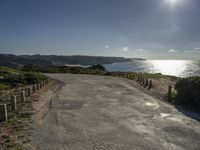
172	2
170	67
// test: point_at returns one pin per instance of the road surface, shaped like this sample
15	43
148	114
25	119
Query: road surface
107	113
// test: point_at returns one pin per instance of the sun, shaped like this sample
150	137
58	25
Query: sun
172	2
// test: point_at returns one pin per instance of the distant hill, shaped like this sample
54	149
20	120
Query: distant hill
16	61
137	59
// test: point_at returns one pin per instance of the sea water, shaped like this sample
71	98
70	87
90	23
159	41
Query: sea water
180	68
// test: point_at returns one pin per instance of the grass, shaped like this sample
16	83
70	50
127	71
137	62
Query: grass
3	86
12	133
146	75
10	78
6	70
95	69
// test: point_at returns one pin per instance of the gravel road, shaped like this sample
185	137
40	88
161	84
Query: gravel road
108	113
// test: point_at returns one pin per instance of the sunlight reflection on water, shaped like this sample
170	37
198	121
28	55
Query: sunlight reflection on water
171	67
182	68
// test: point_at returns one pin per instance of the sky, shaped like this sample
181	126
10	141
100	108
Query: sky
151	29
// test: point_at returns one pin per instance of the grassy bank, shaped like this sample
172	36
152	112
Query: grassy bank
185	91
15	133
155	76
10	78
95	69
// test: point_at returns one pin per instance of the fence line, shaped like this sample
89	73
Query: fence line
11	99
145	82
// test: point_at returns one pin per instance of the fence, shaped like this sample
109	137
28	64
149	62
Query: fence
142	81
10	100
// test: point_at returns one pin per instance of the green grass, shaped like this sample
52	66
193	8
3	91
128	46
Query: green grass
6	70
12	77
146	75
3	87
95	69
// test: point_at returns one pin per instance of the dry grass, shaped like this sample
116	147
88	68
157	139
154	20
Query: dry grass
16	133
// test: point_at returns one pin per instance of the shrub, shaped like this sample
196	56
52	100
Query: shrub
3	86
188	91
14	78
31	67
95	69
32	78
5	70
98	67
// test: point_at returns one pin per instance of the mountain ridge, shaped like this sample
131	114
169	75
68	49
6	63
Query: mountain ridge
16	61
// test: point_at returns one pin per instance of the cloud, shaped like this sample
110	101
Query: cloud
140	50
174	28
125	49
171	51
187	51
123	39
196	50
106	46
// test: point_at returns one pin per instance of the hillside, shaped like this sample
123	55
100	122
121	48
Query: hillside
11	78
16	61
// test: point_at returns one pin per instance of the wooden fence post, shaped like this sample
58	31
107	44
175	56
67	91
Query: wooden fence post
150	84
169	92
29	91
23	96
3	112
40	84
13	102
34	88
143	81
146	83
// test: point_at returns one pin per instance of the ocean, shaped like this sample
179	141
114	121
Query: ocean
180	68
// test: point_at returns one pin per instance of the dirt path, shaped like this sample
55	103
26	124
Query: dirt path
107	113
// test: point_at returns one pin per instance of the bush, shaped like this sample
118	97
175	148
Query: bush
188	92
32	78
5	70
95	69
3	87
98	67
14	78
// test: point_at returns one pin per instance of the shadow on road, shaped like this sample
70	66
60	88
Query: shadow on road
189	113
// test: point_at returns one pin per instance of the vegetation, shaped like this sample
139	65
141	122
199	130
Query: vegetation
95	69
146	75
188	92
11	78
3	87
